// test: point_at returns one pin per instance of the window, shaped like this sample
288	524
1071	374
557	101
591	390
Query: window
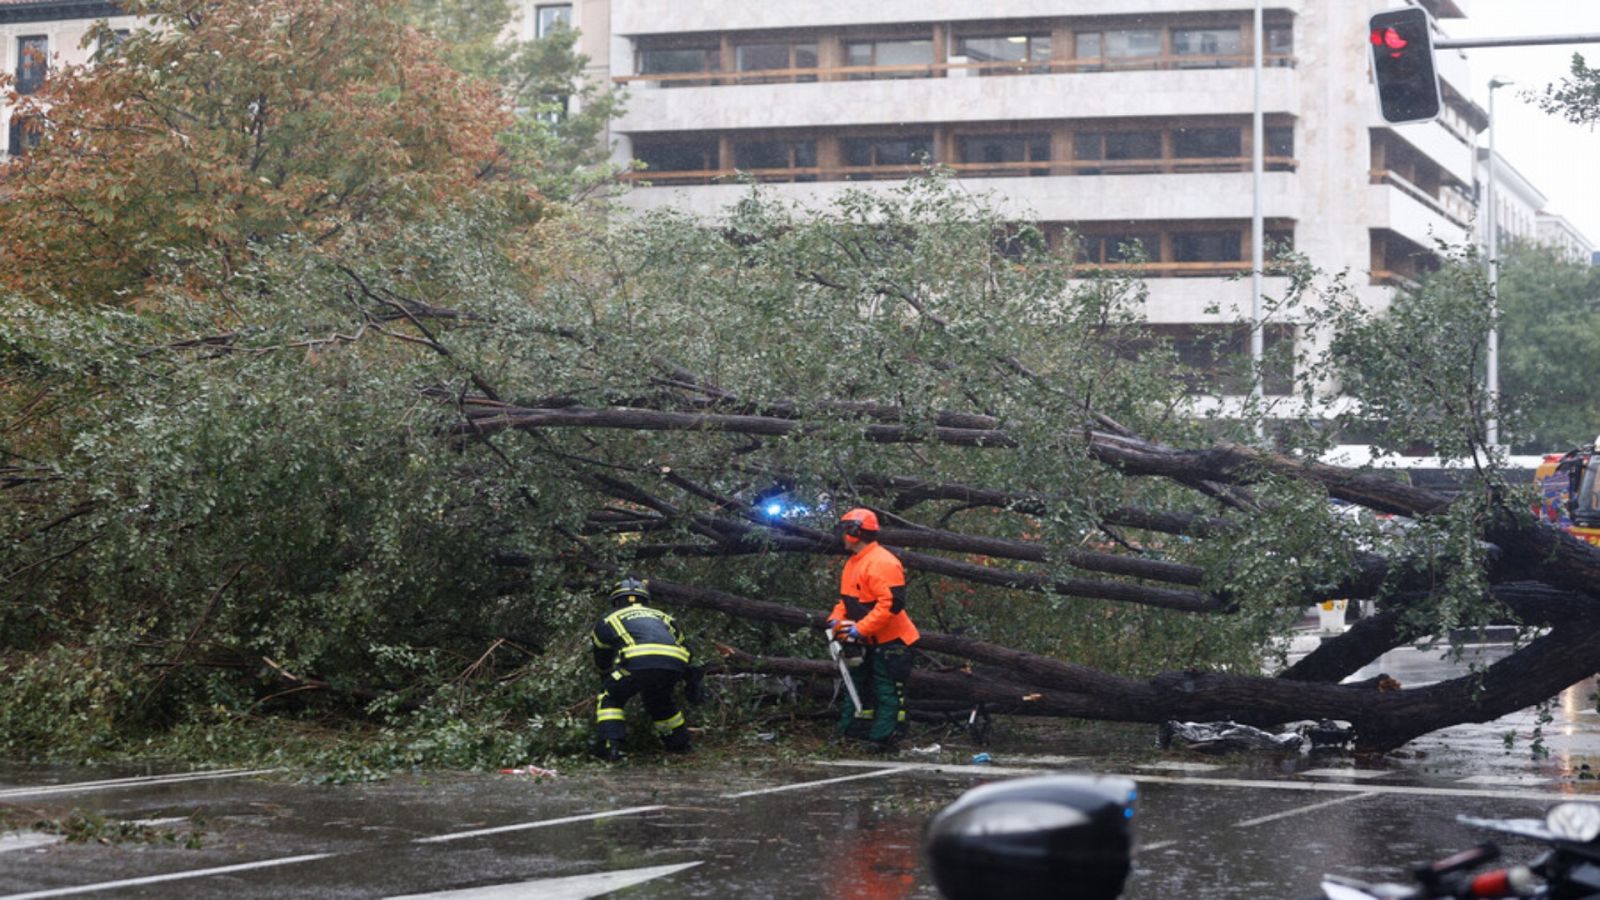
110	47
677	156
1132	43
1127	248
885	151
1133	146
1206	143
1017	48
1279	149
1119	248
1142	150
1086	51
1280	141
1193	45
1004	148
33	59
1206	246
1017	242
1280	42
757	155
1279	244
24	136
776	56
890	53
549	18
1217	357
679	61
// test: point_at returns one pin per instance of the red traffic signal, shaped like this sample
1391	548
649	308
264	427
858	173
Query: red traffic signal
1389	39
1402	65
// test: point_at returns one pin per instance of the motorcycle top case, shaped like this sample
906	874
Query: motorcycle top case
1048	836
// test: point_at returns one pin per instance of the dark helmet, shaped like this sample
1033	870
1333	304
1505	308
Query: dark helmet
630	589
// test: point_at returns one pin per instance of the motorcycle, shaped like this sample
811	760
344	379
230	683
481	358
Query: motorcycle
1568	870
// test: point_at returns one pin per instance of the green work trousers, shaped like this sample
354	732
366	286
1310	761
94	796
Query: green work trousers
880	679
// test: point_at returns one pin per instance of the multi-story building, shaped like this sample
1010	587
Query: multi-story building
1571	243
1516	202
1114	121
36	35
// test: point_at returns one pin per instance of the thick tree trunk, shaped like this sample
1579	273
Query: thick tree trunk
1004	679
1015	681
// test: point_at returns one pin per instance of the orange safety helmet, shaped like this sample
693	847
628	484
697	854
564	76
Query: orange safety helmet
857	522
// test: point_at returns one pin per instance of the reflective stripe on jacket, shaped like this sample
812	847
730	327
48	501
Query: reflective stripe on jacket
872	591
638	637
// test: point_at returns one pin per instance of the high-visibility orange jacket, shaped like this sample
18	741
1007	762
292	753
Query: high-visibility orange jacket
872	591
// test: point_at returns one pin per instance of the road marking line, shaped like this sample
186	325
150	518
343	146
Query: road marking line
571	887
1334	787
1344	773
1509	780
128	779
1158	845
524	826
1303	809
939	767
810	784
140	781
175	876
27	841
1348	788
159	823
1182	766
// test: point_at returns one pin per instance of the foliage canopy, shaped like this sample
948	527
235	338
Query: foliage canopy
227	126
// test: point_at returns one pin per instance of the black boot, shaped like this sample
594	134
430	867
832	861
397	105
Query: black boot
610	751
677	742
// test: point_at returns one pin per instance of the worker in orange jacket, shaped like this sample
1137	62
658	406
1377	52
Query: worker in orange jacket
871	614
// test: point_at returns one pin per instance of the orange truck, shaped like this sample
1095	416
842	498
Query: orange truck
1569	492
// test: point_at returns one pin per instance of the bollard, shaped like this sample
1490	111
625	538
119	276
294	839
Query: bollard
1330	615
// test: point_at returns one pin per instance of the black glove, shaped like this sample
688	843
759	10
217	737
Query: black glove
694	686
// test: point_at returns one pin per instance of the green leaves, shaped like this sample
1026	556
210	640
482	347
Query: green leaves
1576	98
1549	348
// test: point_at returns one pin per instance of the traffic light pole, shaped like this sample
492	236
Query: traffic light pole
1526	41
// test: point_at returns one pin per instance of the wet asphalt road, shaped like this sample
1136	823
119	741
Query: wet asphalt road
1228	827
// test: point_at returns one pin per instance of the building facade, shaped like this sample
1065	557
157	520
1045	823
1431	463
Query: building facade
1555	231
1516	202
36	36
1110	122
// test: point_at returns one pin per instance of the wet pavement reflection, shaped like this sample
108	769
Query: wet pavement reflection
1235	826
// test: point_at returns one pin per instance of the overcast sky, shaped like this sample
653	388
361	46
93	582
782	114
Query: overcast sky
1562	160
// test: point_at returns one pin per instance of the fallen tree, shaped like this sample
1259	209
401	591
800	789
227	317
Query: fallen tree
370	476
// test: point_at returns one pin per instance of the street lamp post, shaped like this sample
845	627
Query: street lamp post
1257	232
1492	376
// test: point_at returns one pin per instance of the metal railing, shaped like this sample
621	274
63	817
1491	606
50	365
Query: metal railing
949	70
1210	268
1015	169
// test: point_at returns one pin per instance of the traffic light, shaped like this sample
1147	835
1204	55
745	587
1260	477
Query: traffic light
1402	64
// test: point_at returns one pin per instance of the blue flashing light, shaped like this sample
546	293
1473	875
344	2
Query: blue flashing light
774	509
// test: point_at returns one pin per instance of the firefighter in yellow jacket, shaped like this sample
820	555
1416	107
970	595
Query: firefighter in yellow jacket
871	612
638	650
